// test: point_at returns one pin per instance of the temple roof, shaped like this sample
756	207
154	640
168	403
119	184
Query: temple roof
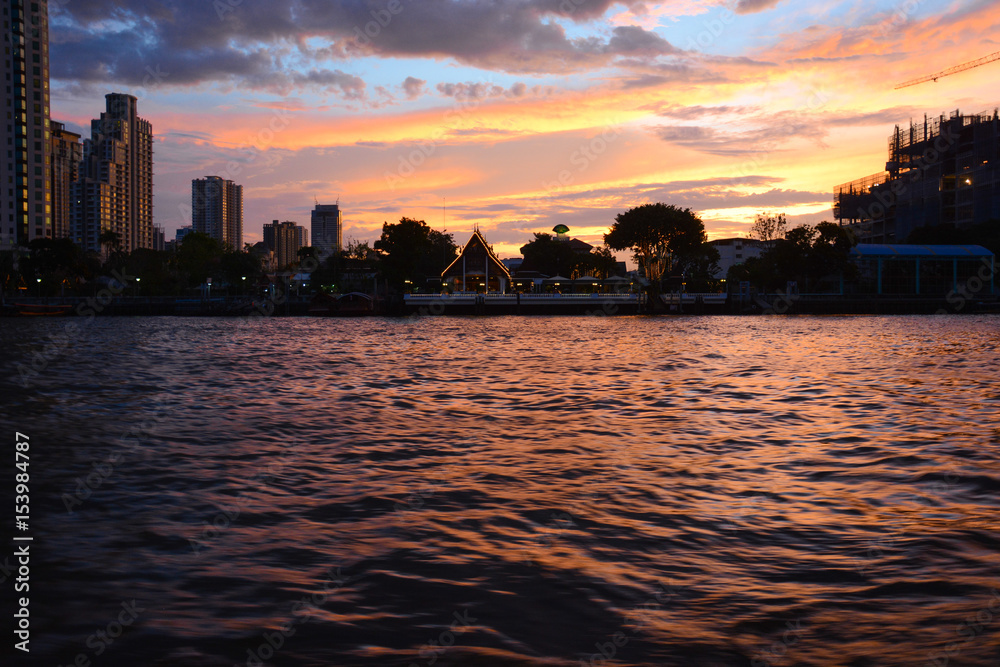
478	243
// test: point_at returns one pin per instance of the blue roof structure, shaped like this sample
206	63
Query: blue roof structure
921	251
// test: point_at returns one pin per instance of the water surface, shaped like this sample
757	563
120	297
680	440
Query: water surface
514	491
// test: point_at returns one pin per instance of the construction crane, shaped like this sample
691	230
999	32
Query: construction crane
952	70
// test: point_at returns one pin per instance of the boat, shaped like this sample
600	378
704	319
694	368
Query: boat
42	310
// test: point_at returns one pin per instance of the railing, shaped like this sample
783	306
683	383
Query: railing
524	297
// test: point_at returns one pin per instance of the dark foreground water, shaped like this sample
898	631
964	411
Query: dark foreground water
536	491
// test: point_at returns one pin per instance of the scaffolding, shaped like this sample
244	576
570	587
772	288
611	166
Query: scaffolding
944	170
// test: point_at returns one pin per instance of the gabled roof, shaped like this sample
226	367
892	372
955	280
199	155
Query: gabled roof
477	235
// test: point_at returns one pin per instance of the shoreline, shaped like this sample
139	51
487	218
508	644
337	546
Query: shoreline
428	305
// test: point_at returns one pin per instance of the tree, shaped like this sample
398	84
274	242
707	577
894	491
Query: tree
548	255
198	257
659	235
814	257
699	267
768	228
599	262
59	263
411	251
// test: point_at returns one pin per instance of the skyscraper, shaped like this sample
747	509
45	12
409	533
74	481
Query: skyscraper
115	190
217	210
327	229
25	203
67	152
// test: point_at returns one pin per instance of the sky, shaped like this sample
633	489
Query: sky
518	115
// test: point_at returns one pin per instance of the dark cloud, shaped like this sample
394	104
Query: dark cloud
470	91
266	45
697	112
772	131
753	6
413	87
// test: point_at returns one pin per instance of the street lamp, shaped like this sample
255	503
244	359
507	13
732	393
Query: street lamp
244	284
137	281
39	288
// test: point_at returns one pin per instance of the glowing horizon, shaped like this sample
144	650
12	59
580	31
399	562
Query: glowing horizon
568	115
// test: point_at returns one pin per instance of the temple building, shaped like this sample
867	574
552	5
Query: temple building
477	269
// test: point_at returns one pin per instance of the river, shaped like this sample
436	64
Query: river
511	491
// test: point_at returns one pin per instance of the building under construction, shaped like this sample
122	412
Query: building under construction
945	170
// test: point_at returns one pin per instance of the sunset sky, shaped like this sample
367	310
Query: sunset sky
521	114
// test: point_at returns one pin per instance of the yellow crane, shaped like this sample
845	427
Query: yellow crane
952	70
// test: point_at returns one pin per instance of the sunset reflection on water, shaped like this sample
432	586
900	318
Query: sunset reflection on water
685	491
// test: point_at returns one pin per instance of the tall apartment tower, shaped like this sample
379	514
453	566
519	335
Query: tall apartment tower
327	229
67	153
217	210
25	198
115	190
287	238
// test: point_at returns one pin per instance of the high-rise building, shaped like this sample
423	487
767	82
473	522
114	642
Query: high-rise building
159	238
943	171
327	229
217	210
26	201
285	239
115	190
67	153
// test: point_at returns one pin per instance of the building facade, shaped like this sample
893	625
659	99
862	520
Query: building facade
327	229
67	153
477	268
285	239
735	251
159	238
26	201
115	190
945	170
217	210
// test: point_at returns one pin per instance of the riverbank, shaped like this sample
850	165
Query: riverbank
510	304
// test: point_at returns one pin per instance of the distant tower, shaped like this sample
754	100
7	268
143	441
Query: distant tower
217	210
67	153
327	229
25	196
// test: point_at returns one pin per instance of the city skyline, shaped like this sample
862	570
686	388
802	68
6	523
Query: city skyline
564	114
